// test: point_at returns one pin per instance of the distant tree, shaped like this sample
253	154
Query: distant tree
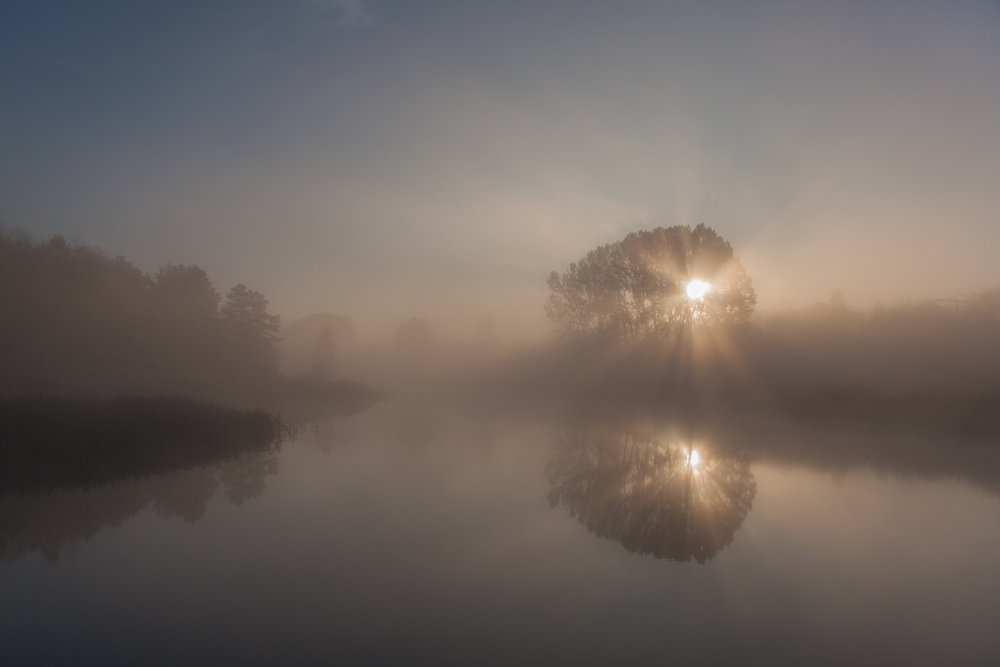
637	289
323	355
414	336
301	347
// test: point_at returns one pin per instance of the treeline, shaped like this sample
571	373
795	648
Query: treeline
947	347
74	320
939	346
922	367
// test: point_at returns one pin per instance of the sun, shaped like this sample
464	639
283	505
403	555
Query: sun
693	460
696	289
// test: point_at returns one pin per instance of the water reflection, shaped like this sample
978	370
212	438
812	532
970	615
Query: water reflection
58	443
633	478
75	466
53	522
669	497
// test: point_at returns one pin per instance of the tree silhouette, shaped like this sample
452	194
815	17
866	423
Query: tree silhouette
307	349
323	355
245	316
251	329
635	289
184	294
245	477
647	495
75	321
48	443
66	308
415	336
185	308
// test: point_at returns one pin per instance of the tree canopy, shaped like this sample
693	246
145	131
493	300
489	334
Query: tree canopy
245	315
636	289
185	293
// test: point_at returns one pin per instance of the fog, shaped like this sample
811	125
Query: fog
422	524
439	161
313	209
372	331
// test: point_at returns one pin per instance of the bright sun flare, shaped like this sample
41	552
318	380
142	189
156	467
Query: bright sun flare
696	289
694	460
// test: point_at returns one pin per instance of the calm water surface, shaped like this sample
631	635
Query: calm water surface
408	534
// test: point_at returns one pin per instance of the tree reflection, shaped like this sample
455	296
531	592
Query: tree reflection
184	494
71	467
49	443
671	499
49	523
245	477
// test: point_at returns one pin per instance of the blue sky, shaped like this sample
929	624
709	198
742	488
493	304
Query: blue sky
386	159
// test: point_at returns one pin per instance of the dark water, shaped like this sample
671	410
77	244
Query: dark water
410	534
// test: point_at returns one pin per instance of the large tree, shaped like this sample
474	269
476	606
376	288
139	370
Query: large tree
245	315
252	331
647	286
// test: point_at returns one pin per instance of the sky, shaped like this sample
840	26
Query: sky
387	159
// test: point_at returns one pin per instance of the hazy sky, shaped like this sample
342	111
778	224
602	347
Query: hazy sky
388	159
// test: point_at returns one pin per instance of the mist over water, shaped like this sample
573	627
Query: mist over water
383	534
712	489
376	332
